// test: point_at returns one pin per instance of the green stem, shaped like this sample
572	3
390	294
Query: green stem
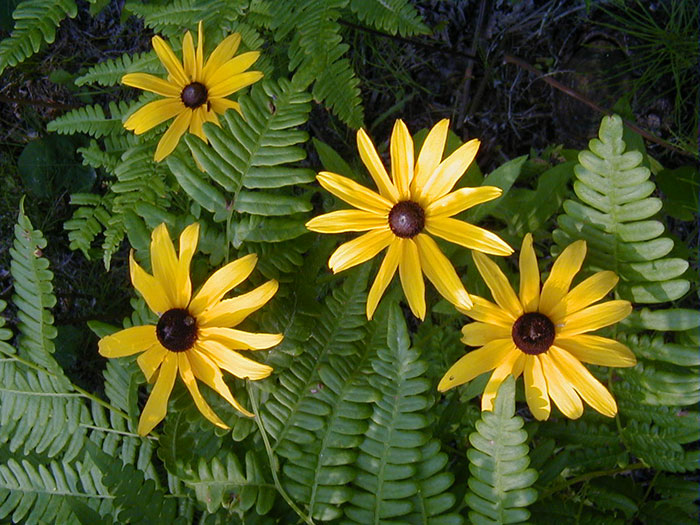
591	475
274	466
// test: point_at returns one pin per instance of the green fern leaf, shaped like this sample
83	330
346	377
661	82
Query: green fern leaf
131	489
35	23
110	72
33	295
88	221
34	492
90	120
224	482
397	477
500	482
392	16
614	215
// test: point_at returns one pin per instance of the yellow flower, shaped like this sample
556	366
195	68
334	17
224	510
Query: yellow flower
194	335
415	202
195	91
543	334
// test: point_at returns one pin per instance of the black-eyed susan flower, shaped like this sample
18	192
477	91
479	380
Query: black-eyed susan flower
194	336
417	201
543	334
195	91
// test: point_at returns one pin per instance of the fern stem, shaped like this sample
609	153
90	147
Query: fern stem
274	466
592	475
78	390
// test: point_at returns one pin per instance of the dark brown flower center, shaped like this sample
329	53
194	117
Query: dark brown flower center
194	95
177	330
406	219
533	333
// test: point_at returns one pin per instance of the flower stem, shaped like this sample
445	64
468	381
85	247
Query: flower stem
274	466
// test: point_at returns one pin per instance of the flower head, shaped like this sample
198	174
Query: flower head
543	334
194	335
416	201
195	91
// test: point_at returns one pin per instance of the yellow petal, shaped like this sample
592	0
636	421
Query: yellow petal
151	83
460	200
171	137
165	266
412	278
588	387
234	82
220	282
210	116
475	363
467	235
222	54
536	388
487	312
233	362
597	350
384	276
478	334
445	176
149	287
153	114
498	283
401	149
188	245
563	271
559	388
529	276
231	312
206	371
128	341
430	155
198	118
586	293
355	194
361	249
170	61
346	221
188	58
151	360
191	383
238	339
220	105
594	317
511	365
374	164
441	273
157	404
199	56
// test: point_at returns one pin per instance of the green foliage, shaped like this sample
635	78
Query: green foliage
500	482
392	16
90	120
35	23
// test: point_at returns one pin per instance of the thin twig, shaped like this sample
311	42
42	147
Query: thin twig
42	103
510	59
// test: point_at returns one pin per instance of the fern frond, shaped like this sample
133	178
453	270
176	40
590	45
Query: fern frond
392	16
130	489
110	72
223	482
35	492
500	482
316	53
38	413
35	23
174	15
90	120
292	413
614	215
33	296
394	479
660	448
320	474
88	221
